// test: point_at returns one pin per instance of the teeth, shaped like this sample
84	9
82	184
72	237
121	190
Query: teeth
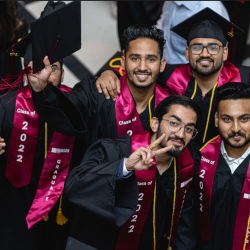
205	61
142	75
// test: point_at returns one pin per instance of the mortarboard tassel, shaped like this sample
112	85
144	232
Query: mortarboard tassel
231	34
12	64
46	217
60	218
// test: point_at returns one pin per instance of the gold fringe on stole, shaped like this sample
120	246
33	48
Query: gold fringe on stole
60	218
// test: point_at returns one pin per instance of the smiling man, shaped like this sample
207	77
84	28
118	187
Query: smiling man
133	109
207	34
151	207
223	186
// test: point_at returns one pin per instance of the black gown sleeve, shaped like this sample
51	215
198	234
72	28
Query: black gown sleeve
186	231
93	185
70	113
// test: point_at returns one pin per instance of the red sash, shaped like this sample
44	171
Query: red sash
210	155
127	119
178	81
242	227
186	174
23	142
130	232
53	175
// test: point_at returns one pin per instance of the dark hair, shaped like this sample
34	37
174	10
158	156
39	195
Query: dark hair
164	106
8	21
232	91
61	63
136	31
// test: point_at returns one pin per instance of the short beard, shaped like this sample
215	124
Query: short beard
174	151
140	86
213	70
226	140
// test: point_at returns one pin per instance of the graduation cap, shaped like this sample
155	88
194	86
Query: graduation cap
57	34
207	24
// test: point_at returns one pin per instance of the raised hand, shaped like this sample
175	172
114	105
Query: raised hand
109	84
142	158
39	80
2	144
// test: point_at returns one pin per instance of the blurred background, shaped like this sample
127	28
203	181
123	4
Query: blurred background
101	21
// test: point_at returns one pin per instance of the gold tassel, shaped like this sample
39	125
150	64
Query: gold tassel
46	217
60	218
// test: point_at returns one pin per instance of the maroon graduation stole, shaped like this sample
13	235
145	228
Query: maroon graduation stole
21	156
210	155
178	81
130	232
127	119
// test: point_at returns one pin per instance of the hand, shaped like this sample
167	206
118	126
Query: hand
141	159
39	80
109	83
2	144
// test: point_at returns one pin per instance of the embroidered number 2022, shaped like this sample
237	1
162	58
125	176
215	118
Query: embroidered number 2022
23	138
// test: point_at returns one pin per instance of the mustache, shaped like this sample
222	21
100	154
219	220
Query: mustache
205	58
236	133
142	72
176	138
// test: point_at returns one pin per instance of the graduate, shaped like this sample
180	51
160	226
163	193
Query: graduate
132	111
207	34
223	180
161	213
36	158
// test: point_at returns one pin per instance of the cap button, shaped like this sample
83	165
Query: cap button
58	37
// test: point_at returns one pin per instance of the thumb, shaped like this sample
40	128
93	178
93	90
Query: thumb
47	63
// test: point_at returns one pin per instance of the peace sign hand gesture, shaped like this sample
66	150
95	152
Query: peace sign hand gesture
2	144
142	158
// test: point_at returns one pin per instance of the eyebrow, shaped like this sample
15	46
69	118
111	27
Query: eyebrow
148	55
179	119
202	44
237	117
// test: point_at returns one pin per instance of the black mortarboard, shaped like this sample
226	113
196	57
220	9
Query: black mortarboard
207	24
57	33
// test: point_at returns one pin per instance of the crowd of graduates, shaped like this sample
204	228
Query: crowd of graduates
147	155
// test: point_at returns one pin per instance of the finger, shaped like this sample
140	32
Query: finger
104	89
118	85
162	150
47	64
98	86
110	90
2	144
158	141
2	151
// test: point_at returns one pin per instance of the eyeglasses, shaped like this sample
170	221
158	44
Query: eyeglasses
54	69
212	49
175	126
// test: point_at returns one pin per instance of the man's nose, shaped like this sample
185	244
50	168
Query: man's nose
204	53
142	65
181	133
236	127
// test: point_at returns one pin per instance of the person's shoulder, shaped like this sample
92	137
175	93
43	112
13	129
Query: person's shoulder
244	73
9	99
194	149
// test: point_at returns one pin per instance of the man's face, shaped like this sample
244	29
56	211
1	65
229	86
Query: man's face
142	62
206	64
179	140
233	122
57	75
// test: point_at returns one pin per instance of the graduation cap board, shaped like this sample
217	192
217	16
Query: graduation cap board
57	34
207	24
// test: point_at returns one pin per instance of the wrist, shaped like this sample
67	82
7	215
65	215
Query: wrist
128	166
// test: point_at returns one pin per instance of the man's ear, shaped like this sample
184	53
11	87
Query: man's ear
154	124
62	77
216	120
163	65
187	53
123	60
225	53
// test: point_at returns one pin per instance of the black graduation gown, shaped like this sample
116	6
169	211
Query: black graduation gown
15	203
203	103
107	204
69	112
225	199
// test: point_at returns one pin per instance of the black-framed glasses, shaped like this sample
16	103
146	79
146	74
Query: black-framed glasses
212	49
175	126
54	69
